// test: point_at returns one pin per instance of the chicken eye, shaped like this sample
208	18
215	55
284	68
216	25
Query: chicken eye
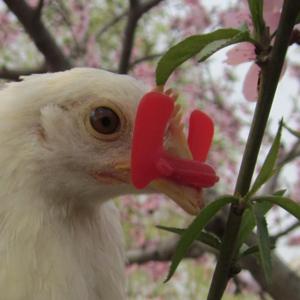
104	120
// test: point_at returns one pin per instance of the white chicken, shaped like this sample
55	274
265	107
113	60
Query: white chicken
65	149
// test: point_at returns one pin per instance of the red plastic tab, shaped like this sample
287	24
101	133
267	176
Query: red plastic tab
153	114
201	132
187	172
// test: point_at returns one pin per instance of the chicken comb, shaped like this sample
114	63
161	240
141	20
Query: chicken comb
149	159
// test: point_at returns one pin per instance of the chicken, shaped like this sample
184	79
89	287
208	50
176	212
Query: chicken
65	150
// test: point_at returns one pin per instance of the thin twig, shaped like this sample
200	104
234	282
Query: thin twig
148	5
144	59
163	252
136	11
111	23
77	49
39	34
39	8
286	231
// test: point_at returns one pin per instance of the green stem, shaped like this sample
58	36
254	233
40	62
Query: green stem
270	75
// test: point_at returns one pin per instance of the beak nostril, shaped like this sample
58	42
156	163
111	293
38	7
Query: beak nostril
122	166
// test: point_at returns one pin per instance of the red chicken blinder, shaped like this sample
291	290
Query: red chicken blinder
149	159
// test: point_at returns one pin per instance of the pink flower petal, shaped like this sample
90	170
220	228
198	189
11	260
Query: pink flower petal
251	82
250	87
272	20
236	19
243	52
272	5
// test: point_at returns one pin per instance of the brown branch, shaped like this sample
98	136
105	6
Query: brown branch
144	59
281	275
111	23
291	155
162	252
39	34
134	3
284	283
61	9
39	8
165	249
285	231
128	38
14	75
148	5
136	11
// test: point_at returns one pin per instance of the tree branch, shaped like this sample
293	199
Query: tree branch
278	288
162	252
39	34
148	5
136	11
291	155
285	231
134	3
145	58
14	75
284	283
111	23
39	8
128	38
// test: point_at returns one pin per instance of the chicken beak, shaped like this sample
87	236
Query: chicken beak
188	198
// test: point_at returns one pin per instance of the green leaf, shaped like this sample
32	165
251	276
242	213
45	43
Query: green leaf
279	192
267	170
192	232
292	131
248	223
214	46
256	9
204	45
203	237
286	203
263	240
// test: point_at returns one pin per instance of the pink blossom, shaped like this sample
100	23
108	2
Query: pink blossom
250	87
35	3
294	240
152	204
93	56
157	269
236	19
82	19
8	32
245	52
195	20
145	71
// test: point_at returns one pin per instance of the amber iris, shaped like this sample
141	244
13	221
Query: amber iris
104	120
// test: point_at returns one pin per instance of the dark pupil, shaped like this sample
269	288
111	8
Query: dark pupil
104	120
